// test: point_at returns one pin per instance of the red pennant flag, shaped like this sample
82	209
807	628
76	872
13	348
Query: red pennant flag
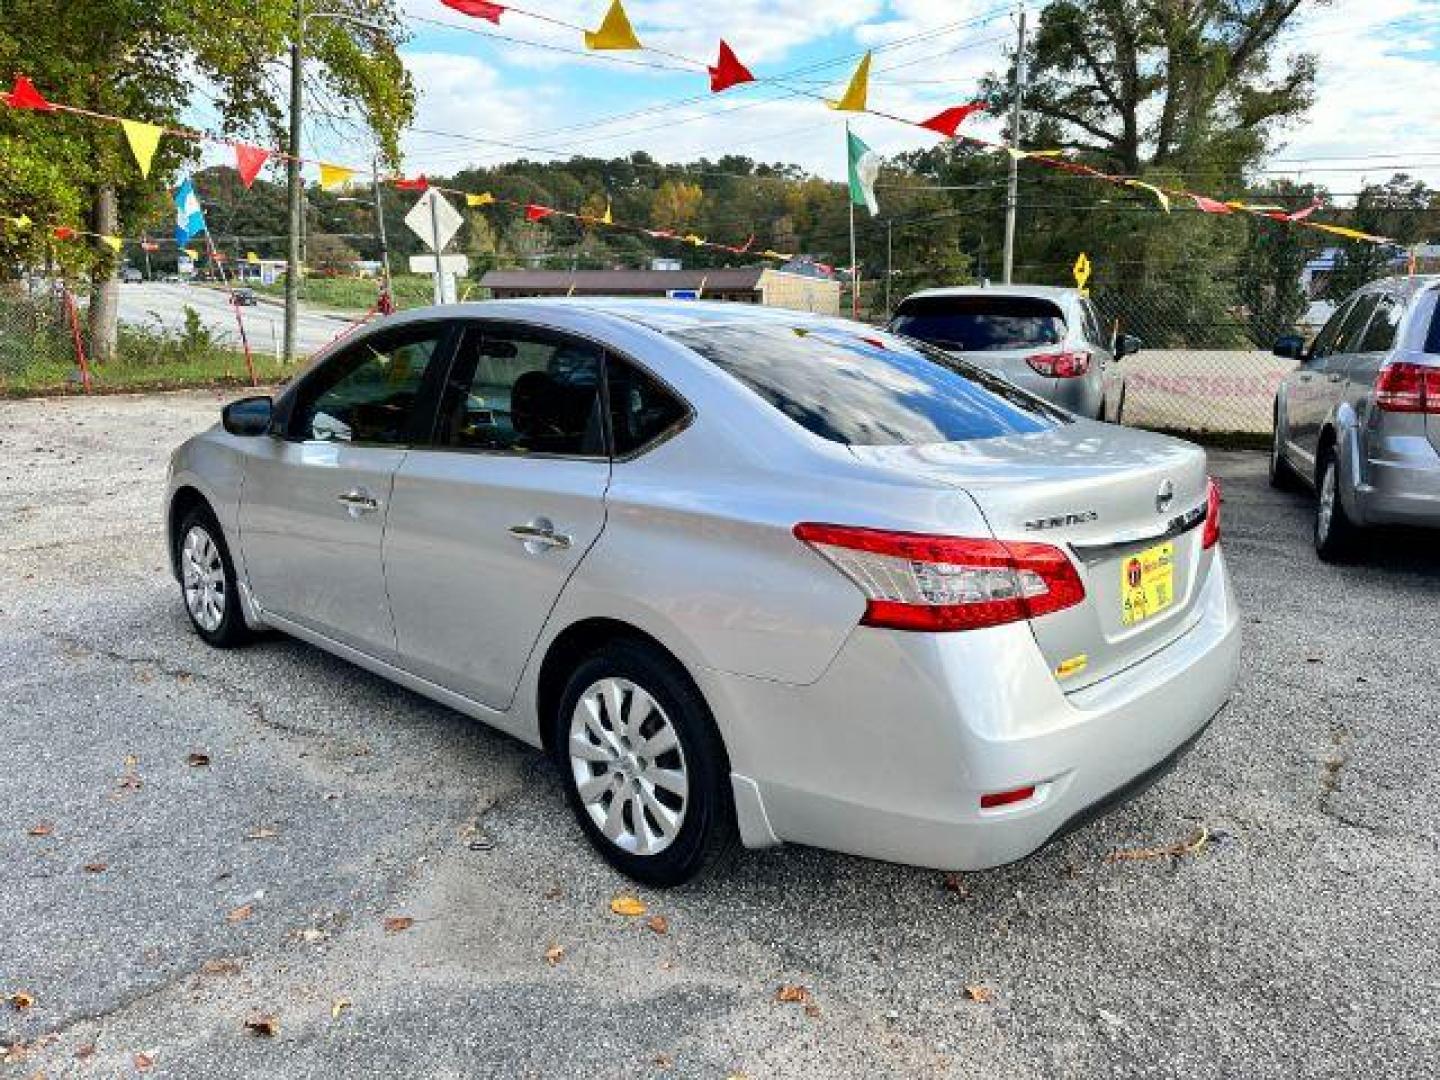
1210	206
728	71
25	96
1301	215
249	160
63	232
949	121
420	183
480	9
536	212
149	245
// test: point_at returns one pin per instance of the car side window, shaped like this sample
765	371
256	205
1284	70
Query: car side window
522	390
1324	343
1352	330
1380	335
1091	322
641	409
367	394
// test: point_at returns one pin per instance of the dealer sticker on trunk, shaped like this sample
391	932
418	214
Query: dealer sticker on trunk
1147	583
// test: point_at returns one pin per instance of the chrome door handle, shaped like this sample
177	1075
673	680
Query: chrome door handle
358	501
540	534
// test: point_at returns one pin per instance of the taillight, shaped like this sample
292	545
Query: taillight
1408	388
1211	536
1061	365
914	581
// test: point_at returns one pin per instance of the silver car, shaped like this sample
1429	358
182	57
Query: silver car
1050	341
1359	419
746	574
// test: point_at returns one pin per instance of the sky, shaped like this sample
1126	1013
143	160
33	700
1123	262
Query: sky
485	100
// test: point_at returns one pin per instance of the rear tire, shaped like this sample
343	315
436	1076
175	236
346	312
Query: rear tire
208	583
1336	535
644	767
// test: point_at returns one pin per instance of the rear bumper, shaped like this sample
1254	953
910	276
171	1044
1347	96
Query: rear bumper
887	754
1402	484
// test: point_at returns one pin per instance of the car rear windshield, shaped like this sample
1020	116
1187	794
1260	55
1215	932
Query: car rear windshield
870	389
981	323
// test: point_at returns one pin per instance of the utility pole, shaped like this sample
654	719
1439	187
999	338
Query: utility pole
388	298
294	189
1012	196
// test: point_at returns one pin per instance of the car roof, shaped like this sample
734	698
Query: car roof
659	314
1057	293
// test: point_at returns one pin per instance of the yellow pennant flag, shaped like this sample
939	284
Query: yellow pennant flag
114	243
1254	208
1348	233
691	238
252	258
483	199
1020	155
1164	199
615	31
857	91
333	176
768	254
143	139
607	219
21	222
190	252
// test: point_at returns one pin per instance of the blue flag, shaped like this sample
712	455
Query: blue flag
189	219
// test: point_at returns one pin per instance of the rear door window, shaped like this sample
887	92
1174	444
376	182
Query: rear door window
976	323
1352	330
874	389
1380	335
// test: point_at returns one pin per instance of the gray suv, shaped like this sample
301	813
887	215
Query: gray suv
1359	418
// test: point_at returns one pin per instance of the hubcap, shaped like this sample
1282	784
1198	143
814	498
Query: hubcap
1326	511
628	765
203	577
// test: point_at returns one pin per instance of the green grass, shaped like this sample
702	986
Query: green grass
358	294
121	376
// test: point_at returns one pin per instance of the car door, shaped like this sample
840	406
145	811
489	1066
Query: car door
314	501
490	518
1305	401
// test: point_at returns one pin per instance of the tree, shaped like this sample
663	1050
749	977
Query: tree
143	59
331	257
1403	209
677	205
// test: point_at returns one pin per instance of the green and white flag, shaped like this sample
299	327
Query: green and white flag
864	168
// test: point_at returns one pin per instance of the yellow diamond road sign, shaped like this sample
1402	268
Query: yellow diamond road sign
1082	271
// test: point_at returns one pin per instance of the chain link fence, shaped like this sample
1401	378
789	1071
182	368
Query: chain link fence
37	333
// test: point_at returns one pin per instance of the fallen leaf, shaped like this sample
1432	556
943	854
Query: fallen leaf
664	1061
313	935
955	883
96	867
792	995
143	1062
131	782
1198	839
85	1052
261	833
812	1011
264	1025
658	923
21	1000
43	828
223	965
554	954
197	760
241	913
628	905
396	923
982	994
131	761
338	1006
554	892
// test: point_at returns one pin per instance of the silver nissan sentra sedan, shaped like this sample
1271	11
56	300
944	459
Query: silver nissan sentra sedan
748	575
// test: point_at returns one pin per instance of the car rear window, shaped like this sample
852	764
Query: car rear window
981	323
871	389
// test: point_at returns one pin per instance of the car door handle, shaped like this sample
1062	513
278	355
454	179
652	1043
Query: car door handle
358	501
541	534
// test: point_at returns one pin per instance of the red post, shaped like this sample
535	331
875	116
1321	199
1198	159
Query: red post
240	322
77	336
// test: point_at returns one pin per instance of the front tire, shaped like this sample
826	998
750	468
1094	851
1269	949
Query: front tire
207	581
644	767
1335	533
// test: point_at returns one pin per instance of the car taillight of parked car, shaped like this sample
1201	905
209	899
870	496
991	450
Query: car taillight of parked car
1061	365
1408	388
916	581
1211	536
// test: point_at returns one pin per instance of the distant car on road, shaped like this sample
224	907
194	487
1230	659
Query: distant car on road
131	276
1359	419
244	298
746	574
1050	341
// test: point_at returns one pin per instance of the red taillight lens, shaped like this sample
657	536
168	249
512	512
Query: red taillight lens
1408	388
915	581
1063	365
1212	513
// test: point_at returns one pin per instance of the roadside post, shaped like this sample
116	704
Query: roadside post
435	221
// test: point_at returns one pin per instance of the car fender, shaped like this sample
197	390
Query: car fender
1349	452
215	469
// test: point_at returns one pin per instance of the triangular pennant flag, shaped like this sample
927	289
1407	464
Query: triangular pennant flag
660	234
536	212
607	218
332	176
190	252
420	183
481	9
252	258
149	245
615	31
249	160
767	253
1304	212
1351	234
949	121
25	96
1210	206
856	93
21	221
143	139
728	70
114	243
483	199
1253	208
691	238
743	248
63	232
1164	199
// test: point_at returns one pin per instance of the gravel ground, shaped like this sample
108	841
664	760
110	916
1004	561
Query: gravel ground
164	903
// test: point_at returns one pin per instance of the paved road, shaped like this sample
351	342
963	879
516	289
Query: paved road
1298	942
264	323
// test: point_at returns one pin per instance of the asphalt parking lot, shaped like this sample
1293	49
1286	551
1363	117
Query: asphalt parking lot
194	839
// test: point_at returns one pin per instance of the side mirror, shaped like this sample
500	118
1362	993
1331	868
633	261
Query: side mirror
1290	347
1127	345
248	416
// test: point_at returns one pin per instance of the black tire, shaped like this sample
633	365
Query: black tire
1336	535
1282	476
707	835
229	630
